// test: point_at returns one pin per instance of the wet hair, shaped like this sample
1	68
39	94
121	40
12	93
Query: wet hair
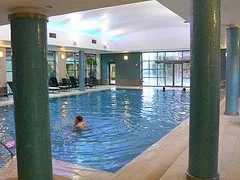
163	89
184	89
78	119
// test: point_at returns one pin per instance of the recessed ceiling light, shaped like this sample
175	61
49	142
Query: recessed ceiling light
49	6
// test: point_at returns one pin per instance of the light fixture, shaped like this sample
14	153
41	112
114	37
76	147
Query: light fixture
125	57
1	54
62	56
105	46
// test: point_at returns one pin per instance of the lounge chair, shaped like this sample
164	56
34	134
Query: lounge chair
73	82
65	82
90	82
7	91
54	85
4	93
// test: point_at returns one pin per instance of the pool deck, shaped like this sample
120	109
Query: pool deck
164	160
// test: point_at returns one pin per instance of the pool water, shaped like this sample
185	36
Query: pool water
122	123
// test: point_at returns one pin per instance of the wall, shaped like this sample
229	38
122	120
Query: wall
3	78
127	71
60	66
98	68
68	39
172	38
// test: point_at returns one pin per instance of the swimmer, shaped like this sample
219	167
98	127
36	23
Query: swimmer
184	90
79	123
163	89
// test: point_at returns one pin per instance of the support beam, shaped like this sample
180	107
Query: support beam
204	98
30	87
81	71
232	71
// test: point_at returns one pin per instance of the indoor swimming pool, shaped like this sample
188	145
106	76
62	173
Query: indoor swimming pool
122	124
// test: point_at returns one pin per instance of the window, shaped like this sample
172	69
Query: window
9	64
72	64
174	56
166	68
90	65
186	55
51	64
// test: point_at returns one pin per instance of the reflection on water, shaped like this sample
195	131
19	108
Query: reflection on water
122	124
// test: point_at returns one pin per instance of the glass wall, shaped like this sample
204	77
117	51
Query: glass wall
166	68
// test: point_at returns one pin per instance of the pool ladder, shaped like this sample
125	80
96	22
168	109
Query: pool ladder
9	150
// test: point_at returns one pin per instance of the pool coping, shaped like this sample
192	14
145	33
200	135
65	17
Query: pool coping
150	164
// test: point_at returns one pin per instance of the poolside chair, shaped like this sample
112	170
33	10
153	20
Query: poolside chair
54	85
73	82
90	82
4	93
65	82
10	89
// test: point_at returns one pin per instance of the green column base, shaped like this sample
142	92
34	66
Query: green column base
190	177
231	113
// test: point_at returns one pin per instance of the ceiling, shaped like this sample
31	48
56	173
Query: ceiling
118	20
57	7
230	13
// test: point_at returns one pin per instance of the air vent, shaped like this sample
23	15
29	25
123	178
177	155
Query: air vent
52	35
94	41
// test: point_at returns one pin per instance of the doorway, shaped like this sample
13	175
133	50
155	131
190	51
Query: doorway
112	73
173	75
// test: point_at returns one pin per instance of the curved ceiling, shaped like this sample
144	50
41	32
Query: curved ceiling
230	13
118	20
57	7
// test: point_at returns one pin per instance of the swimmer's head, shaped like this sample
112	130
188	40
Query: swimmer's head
78	119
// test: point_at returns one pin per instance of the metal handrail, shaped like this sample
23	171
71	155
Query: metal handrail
7	148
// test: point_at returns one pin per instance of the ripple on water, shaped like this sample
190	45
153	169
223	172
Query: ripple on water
122	123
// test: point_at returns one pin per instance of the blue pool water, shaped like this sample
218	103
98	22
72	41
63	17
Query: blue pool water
123	123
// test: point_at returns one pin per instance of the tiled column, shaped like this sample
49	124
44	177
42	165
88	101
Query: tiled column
30	86
232	71
204	98
82	71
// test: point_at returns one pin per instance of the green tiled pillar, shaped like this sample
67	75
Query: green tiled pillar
204	98
232	71
81	71
30	87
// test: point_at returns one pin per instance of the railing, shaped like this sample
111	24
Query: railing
7	148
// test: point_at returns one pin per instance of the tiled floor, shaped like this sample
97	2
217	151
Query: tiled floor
229	148
165	160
